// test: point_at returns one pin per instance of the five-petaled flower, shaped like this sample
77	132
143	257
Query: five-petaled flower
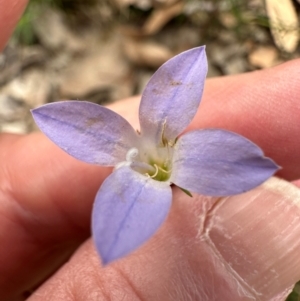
135	199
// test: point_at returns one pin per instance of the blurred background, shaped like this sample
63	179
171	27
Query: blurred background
105	50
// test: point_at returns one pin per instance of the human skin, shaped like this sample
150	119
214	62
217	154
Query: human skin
47	196
10	12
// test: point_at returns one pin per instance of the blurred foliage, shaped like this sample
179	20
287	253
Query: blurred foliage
81	11
295	294
293	297
24	32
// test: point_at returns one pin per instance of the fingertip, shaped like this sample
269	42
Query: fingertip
10	13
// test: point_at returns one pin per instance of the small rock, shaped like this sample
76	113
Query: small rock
18	127
14	115
33	87
220	55
263	57
235	66
12	109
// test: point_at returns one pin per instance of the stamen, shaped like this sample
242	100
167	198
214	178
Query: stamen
156	171
165	142
131	154
163	170
168	154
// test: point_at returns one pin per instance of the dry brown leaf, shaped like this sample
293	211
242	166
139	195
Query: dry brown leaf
146	53
53	32
284	23
102	71
160	17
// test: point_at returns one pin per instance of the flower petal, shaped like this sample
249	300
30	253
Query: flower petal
87	131
172	96
219	163
128	210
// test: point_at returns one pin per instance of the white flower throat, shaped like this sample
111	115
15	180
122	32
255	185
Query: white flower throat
156	165
151	160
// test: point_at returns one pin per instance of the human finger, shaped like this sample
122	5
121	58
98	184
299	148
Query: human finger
58	191
243	247
10	13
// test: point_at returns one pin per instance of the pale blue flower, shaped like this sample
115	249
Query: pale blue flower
136	198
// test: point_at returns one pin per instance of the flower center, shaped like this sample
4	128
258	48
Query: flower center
155	164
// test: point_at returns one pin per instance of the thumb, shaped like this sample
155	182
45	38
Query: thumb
255	239
242	247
